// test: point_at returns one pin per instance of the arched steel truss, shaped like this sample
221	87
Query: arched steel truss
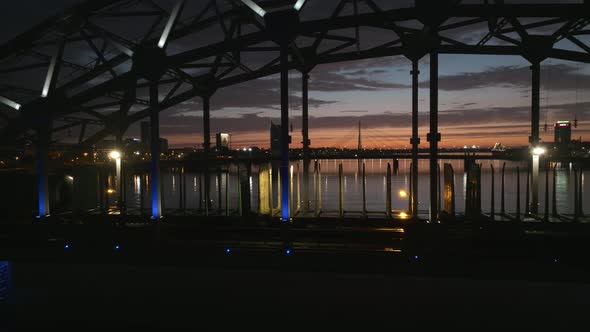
100	60
107	63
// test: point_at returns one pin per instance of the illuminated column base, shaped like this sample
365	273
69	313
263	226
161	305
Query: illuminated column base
155	179
43	183
535	185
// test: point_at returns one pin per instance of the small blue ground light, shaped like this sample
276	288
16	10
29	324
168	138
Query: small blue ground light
416	257
288	252
228	251
117	247
67	246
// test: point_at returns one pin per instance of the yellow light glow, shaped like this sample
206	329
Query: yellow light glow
115	154
403	193
85	154
538	151
403	215
111	191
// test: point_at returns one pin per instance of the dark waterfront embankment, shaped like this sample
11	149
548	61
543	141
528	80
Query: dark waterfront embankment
231	273
453	249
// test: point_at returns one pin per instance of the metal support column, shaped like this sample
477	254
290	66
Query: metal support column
118	173
576	201
44	129
364	182
340	192
285	138
493	195
517	193
527	208
502	201
42	161
433	136
547	170
534	139
581	194
415	141
306	142
388	192
207	151
553	193
155	179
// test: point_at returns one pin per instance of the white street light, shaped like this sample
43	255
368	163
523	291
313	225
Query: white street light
534	207
538	151
115	154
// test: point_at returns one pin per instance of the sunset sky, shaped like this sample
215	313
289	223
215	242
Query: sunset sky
482	99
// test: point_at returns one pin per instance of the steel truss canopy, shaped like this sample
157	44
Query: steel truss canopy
95	63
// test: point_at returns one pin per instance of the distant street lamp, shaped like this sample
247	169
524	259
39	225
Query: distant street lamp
403	194
117	156
534	207
538	151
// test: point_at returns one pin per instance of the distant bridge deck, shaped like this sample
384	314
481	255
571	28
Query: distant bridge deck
409	156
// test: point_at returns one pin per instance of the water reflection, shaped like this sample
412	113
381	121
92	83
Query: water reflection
376	186
137	184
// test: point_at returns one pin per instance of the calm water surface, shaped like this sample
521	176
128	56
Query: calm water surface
375	170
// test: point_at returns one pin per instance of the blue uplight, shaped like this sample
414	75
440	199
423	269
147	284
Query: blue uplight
228	250
154	185
288	252
117	247
416	257
42	202
66	246
285	193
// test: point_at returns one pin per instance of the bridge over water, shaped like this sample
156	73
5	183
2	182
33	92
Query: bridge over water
197	48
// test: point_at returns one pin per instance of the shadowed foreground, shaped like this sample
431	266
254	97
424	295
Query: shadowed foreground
106	295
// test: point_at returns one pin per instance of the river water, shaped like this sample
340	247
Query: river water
375	170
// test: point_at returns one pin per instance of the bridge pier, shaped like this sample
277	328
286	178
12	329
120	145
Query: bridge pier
155	179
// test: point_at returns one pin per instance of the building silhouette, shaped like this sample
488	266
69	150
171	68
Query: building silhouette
222	141
563	132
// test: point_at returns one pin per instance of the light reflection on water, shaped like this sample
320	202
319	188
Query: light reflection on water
375	186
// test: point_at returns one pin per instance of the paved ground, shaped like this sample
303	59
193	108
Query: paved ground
66	295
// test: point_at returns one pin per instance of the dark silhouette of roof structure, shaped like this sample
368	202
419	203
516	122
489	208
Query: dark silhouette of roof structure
94	65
